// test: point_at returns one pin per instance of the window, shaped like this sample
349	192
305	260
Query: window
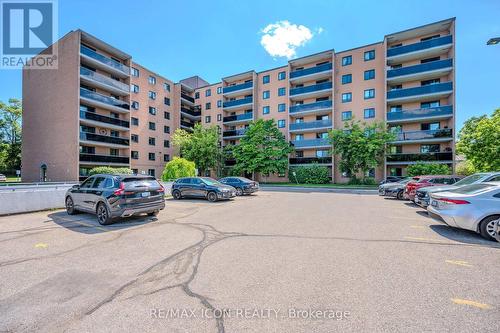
152	126
134	154
432	104
395	149
134	138
197	95
347	60
166	143
265	110
281	107
396	87
135	121
166	158
370	74
134	71
396	108
322	153
347	115
114	133
134	88
429	82
135	105
114	115
166	129
152	95
281	91
219	90
151	156
369	113
428	38
322	135
207	119
151	172
166	100
219	103
87	150
266	94
166	115
369	55
369	93
370	173
424	61
430	126
265	79
219	117
281	76
166	86
281	123
152	110
429	148
208	106
347	78
346	97
152	141
208	92
396	172
151	80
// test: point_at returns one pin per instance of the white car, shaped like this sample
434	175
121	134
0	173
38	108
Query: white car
473	207
3	178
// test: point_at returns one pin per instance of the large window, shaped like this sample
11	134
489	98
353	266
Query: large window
152	126
347	78
134	71
369	113
166	101
151	156
134	138
369	55
281	123
265	79
430	148
152	141
346	97
265	110
281	91
281	76
152	110
208	119
135	105
281	107
166	129
266	94
166	115
134	88
347	115
152	95
134	121
219	103
347	60
219	90
369	93
151	80
208	106
134	154
166	86
370	74
208	92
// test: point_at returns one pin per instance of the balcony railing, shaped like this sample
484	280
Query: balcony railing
423	135
423	90
191	112
448	39
426	67
311	143
239	132
311	160
237	102
104	99
444	156
105	60
240	117
187	98
103	138
103	119
311	106
440	111
312	70
237	87
104	158
311	124
310	89
187	124
104	79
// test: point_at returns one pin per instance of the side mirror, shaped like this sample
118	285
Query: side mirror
76	187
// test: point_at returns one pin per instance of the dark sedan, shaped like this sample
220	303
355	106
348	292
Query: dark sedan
241	184
112	196
202	187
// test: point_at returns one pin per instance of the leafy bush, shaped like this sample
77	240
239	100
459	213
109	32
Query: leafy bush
177	168
420	169
368	181
313	174
465	168
109	170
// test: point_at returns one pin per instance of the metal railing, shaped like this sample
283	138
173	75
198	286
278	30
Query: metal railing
311	124
105	60
312	70
244	116
239	132
394	51
310	89
237	87
310	160
311	106
311	143
422	90
422	135
104	138
420	68
104	158
444	156
103	119
236	102
445	110
103	99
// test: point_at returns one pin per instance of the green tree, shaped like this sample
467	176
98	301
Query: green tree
109	171
465	168
360	147
201	146
10	134
419	169
177	168
262	149
312	174
479	141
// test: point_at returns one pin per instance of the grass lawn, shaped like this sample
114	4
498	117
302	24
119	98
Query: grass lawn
323	185
12	179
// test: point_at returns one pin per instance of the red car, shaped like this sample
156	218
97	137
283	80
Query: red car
424	181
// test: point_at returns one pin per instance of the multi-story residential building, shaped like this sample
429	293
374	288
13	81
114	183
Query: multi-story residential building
406	80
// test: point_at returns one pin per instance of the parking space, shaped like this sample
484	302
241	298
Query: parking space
378	264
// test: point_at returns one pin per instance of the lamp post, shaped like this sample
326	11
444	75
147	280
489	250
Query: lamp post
493	41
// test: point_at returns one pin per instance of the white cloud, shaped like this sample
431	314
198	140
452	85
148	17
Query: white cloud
281	39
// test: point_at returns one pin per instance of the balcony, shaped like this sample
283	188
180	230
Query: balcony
238	89
417	115
107	102
188	99
187	125
439	135
310	160
240	118
316	108
425	49
444	157
191	114
422	93
420	72
310	126
234	133
314	90
100	61
103	159
311	143
104	140
312	73
238	103
95	119
104	82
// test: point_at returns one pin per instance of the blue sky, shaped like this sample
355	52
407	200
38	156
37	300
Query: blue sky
213	39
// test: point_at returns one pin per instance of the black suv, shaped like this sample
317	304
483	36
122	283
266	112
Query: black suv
241	184
111	196
202	187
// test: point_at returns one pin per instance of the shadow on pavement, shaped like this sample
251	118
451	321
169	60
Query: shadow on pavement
462	235
87	223
202	201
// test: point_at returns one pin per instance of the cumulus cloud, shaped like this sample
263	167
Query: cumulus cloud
281	39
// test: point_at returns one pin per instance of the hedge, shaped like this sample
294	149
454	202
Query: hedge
312	174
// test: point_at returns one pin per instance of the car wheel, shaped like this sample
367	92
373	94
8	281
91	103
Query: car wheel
177	195
400	195
70	206
239	191
103	215
487	227
153	213
212	196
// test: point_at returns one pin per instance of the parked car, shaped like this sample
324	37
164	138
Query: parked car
241	184
202	187
392	179
382	188
3	178
473	207
422	195
424	181
397	189
113	196
497	230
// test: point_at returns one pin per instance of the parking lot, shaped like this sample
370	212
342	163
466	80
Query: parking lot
367	264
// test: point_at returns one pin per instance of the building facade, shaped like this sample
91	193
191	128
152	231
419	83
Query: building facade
127	112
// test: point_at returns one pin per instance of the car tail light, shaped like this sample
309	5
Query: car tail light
162	189
121	189
454	201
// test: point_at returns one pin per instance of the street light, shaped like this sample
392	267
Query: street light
493	41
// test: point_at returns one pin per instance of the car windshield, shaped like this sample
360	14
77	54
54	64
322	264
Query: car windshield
473	188
469	180
209	181
404	181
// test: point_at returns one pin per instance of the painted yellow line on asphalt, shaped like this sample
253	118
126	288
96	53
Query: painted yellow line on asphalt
41	245
471	303
417	226
89	225
459	263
